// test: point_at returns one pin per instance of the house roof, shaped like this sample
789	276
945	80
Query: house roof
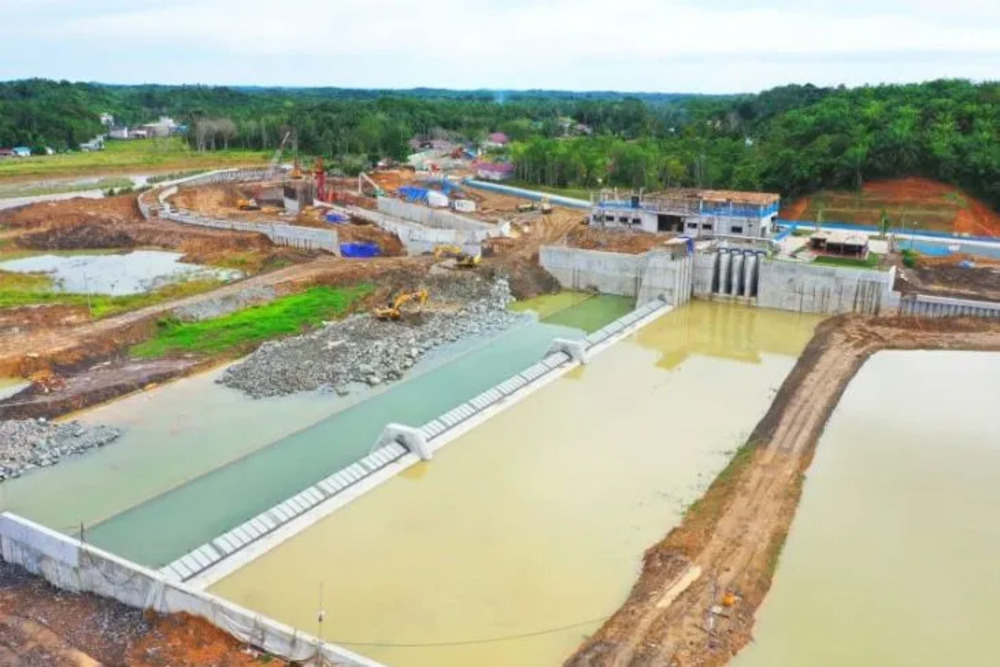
841	237
499	138
720	196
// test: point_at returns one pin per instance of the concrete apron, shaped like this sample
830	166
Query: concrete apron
214	566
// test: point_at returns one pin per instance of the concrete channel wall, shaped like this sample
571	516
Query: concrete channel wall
813	288
399	448
280	233
430	217
419	239
71	565
645	277
924	305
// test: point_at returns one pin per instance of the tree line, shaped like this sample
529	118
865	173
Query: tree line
791	140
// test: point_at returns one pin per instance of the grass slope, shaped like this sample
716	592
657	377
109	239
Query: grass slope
285	316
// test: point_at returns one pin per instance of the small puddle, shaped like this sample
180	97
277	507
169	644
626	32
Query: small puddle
117	274
891	559
580	310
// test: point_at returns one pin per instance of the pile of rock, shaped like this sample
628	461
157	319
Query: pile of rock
362	349
29	444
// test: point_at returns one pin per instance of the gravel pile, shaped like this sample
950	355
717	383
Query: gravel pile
29	444
362	349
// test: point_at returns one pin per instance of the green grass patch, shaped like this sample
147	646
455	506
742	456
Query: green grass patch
243	329
869	262
33	190
35	289
165	153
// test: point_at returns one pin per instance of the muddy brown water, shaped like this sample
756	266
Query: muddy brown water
522	535
891	558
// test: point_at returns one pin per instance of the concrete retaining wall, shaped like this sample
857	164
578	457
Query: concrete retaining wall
922	305
429	217
703	281
419	239
391	455
73	566
644	277
812	288
280	233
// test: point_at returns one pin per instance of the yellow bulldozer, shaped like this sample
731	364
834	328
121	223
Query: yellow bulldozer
394	309
462	259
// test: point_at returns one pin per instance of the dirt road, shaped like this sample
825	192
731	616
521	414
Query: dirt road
678	612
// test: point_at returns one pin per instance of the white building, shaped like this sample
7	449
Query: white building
118	133
691	212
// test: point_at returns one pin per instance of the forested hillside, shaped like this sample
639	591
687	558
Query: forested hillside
792	140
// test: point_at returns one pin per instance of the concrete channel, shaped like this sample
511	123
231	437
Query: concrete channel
163	470
525	532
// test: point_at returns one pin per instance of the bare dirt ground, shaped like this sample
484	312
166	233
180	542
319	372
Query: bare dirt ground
948	278
931	204
40	349
115	223
41	625
222	201
631	242
695	601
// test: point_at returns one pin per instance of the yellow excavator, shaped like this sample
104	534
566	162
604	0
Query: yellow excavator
462	259
393	311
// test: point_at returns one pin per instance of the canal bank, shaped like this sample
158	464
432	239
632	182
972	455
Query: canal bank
524	533
700	587
895	537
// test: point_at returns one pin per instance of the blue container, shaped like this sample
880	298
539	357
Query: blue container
359	250
337	218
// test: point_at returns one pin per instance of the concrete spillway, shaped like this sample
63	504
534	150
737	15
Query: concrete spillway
520	536
164	510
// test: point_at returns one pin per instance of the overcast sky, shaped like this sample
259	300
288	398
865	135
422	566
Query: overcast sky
709	46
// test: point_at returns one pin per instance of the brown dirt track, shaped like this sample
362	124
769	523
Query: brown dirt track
731	538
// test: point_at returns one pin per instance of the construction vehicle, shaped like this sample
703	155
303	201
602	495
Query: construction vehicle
363	177
247	204
276	158
546	206
296	173
393	310
462	259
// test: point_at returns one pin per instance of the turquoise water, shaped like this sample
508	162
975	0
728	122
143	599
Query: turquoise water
171	524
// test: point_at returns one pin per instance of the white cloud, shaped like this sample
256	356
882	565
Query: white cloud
529	44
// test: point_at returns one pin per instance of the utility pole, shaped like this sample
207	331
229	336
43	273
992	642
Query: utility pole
86	288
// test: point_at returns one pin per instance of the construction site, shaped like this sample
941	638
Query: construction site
414	418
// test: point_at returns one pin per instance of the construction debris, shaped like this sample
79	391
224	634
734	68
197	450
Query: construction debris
363	350
29	444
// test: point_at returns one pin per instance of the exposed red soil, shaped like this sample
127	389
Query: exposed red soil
930	204
43	626
611	240
115	222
